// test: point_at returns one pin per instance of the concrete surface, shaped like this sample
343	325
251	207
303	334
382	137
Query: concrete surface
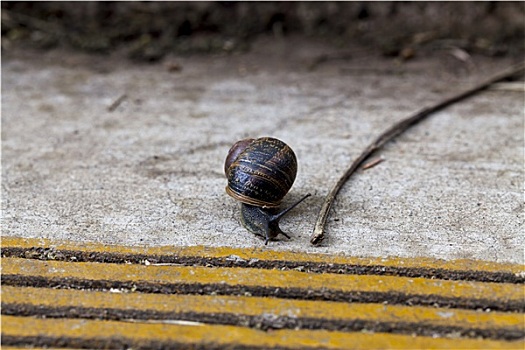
150	173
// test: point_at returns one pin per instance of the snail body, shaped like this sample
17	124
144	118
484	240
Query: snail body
260	173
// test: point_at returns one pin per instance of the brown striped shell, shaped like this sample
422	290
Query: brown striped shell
260	171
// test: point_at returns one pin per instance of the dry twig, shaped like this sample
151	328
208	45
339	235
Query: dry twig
117	102
372	163
398	128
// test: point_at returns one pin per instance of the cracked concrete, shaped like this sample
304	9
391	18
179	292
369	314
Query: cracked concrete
150	172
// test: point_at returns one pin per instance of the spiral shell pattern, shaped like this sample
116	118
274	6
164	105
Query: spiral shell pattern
262	173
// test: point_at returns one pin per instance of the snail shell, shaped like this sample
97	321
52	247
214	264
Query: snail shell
260	171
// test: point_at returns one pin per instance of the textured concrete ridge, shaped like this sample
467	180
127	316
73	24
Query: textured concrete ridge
148	169
130	296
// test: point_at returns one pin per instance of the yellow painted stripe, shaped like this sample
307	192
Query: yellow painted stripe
253	306
268	278
226	335
266	254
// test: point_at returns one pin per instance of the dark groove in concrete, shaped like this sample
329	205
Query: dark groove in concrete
263	322
312	267
326	294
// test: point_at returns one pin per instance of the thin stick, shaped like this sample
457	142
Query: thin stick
398	128
117	102
372	163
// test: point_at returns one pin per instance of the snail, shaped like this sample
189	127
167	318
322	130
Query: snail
260	172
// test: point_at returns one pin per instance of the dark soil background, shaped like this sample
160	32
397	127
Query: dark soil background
148	31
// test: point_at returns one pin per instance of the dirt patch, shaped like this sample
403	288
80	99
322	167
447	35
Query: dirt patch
148	31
